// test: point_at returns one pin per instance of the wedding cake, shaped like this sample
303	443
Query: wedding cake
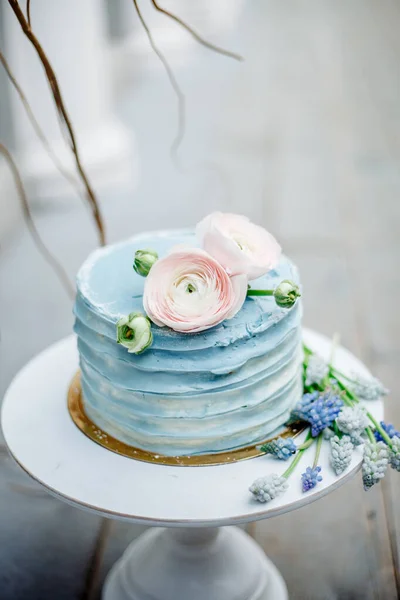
195	350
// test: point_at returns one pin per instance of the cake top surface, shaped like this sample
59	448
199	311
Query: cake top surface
109	287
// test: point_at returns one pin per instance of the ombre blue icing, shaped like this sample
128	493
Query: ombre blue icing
221	389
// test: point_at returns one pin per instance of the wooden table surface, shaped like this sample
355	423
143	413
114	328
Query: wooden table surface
304	137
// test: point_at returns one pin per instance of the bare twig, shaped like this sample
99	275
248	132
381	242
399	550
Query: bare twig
38	130
28	11
52	261
173	81
196	36
63	115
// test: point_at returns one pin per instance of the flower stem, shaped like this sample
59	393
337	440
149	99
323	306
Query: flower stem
298	456
337	430
345	389
370	435
306	444
378	427
252	292
345	399
335	341
341	374
350	398
318	450
293	464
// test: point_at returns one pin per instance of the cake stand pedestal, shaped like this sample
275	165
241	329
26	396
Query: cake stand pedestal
190	554
218	563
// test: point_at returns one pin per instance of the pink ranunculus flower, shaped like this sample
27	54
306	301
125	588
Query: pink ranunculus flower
190	291
238	244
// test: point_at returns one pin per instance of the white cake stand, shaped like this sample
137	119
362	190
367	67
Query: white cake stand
192	557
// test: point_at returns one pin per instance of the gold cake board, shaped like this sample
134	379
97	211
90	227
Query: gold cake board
93	432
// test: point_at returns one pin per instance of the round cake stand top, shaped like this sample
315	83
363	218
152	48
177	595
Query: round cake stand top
43	439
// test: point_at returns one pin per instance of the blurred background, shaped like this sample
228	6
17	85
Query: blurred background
303	136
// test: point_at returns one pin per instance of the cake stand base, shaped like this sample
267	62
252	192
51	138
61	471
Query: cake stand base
196	563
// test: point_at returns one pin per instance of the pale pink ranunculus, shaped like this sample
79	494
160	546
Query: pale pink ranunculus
190	291
238	244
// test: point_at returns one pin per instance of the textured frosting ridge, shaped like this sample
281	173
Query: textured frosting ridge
220	389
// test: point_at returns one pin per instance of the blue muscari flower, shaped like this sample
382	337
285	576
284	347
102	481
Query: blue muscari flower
390	430
310	478
319	409
282	448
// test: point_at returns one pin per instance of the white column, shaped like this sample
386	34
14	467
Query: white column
73	36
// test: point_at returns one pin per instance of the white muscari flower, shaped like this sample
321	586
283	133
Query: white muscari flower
328	434
267	488
353	421
376	458
394	453
341	452
134	332
367	388
316	371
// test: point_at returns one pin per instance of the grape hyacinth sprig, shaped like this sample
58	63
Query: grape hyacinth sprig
311	476
265	489
355	424
331	405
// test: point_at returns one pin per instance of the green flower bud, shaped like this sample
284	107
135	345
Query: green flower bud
144	260
134	332
286	294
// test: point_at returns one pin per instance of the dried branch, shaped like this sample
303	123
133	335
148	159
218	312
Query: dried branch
173	81
52	261
193	33
38	130
63	115
28	11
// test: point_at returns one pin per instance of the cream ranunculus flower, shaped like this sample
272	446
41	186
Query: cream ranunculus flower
190	291
238	244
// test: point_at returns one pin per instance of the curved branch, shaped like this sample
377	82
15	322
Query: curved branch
38	130
63	115
173	81
51	260
194	34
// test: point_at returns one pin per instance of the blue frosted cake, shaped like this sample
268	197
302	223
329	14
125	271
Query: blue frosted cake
224	387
